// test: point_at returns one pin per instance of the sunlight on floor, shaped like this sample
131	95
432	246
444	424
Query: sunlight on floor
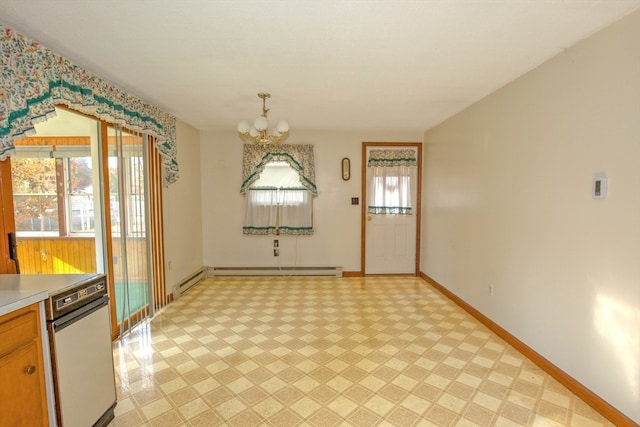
329	352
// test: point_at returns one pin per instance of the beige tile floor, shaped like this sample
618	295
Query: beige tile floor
388	351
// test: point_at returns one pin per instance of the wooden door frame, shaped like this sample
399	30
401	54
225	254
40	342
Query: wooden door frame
363	208
7	218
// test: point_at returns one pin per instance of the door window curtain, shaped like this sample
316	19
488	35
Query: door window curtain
33	80
391	172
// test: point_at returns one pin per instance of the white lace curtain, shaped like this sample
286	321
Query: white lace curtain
287	211
391	173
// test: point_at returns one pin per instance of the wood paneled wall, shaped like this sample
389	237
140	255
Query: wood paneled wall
68	255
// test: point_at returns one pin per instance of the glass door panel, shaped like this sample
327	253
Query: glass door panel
127	190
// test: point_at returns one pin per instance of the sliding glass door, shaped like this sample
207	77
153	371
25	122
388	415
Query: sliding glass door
129	224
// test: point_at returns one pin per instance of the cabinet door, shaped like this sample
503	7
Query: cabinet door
21	388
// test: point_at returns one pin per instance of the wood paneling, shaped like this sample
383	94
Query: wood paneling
69	255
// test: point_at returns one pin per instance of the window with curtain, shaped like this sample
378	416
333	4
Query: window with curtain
391	175
276	203
279	186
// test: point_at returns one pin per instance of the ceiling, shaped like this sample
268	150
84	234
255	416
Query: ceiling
387	65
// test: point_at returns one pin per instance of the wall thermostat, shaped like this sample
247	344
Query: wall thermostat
599	190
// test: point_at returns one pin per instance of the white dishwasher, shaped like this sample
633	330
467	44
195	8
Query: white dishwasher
79	332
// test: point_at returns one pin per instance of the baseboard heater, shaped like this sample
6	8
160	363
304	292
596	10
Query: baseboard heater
274	271
184	285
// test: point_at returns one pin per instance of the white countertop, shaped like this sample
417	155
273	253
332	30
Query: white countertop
15	299
20	290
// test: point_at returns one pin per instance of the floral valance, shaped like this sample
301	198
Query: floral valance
34	80
389	158
299	156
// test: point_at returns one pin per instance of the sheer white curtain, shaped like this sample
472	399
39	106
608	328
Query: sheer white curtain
296	211
260	211
389	190
278	211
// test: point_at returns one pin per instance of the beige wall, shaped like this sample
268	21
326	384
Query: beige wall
182	211
336	239
508	204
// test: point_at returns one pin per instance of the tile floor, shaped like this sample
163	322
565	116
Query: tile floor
387	351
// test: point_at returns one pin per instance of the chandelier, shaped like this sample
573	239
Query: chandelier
259	133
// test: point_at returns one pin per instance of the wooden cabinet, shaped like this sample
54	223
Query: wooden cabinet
23	400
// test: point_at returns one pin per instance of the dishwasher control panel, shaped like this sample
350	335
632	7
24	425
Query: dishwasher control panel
77	296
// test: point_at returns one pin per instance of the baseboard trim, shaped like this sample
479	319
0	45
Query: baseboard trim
274	271
596	402
352	274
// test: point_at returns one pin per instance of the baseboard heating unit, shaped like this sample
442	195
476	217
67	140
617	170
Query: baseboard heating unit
188	282
274	271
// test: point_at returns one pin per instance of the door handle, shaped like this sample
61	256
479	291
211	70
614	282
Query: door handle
13	250
369	218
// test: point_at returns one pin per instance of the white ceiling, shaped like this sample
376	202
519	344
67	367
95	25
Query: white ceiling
387	65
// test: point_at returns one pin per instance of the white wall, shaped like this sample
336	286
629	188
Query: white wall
182	211
336	239
508	204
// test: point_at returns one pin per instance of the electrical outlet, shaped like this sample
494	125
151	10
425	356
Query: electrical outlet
276	252
491	290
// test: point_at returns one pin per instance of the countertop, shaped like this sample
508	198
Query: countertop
20	290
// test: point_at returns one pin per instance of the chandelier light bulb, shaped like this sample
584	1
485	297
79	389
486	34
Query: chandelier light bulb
282	126
244	126
259	133
261	123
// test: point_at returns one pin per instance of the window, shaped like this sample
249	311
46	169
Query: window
276	203
79	195
34	195
391	173
52	196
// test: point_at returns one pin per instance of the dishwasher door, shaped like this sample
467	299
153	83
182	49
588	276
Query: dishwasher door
83	367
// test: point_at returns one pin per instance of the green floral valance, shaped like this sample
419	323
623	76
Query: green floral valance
34	80
389	158
300	157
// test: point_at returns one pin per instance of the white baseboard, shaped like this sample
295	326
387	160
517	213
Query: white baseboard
185	284
274	271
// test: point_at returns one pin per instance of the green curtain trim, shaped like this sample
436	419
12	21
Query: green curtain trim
389	210
299	157
389	158
105	101
266	159
278	188
265	231
35	79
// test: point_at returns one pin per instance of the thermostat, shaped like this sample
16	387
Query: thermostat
599	190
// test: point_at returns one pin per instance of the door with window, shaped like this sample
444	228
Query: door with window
391	208
129	216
